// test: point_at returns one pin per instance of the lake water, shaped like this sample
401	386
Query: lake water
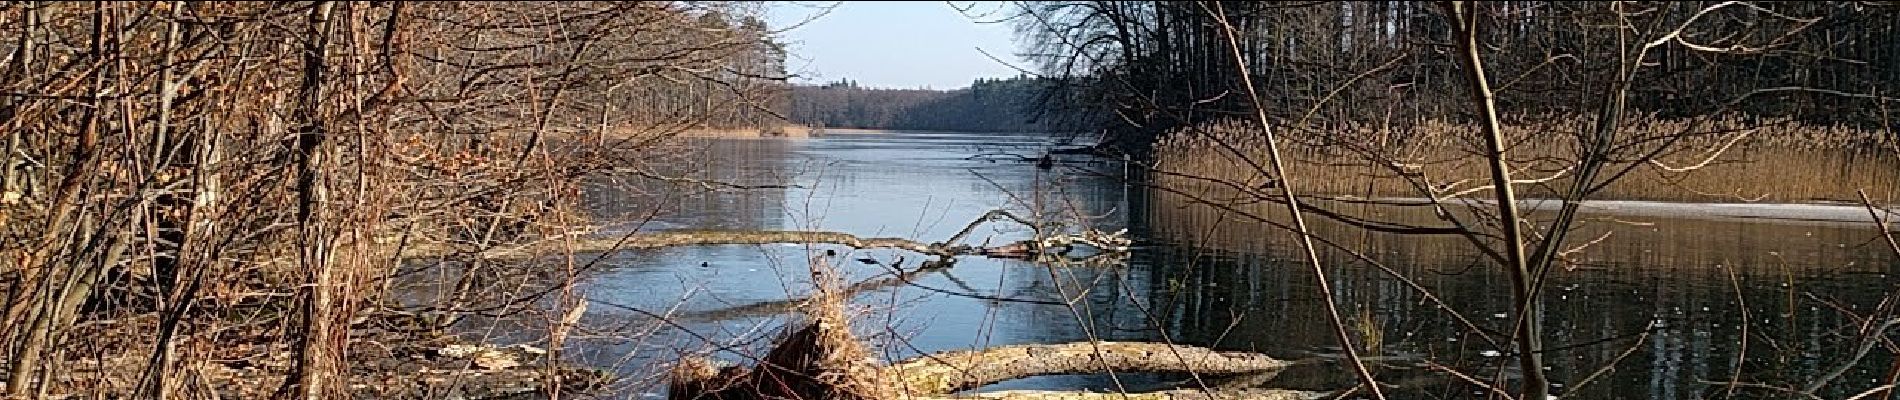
1201	276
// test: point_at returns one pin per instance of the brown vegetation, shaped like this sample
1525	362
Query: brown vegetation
1722	160
183	179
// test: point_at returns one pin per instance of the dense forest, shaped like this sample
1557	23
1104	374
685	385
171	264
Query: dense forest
183	184
987	105
1142	68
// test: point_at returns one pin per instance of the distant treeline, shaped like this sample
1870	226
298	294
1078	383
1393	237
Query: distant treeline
988	105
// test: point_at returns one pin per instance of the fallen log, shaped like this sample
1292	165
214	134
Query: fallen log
955	371
654	240
1178	394
726	237
819	360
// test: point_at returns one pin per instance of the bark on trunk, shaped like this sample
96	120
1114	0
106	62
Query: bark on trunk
1180	394
1529	333
950	372
319	353
807	364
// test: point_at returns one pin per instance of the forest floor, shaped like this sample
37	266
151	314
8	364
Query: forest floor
387	360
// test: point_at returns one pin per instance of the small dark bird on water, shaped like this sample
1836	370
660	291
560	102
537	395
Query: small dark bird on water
831	253
703	264
1045	162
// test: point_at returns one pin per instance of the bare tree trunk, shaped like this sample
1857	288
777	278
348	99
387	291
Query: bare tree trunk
166	271
318	353
39	302
22	65
1529	341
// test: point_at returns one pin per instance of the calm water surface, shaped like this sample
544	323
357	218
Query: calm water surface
1214	279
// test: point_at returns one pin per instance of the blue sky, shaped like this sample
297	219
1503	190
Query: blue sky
895	44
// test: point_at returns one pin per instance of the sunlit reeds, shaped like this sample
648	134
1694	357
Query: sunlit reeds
1708	160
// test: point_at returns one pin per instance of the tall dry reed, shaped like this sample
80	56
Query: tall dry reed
1711	160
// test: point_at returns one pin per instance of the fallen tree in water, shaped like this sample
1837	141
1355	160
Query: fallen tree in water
1048	241
954	371
819	361
822	359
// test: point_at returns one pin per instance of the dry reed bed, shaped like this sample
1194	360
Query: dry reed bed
1710	160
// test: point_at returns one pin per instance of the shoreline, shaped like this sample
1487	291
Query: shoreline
1806	212
777	132
852	131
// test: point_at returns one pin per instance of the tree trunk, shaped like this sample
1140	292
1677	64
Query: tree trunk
319	354
1529	339
950	372
814	362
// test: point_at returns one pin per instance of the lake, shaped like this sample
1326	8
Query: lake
1696	280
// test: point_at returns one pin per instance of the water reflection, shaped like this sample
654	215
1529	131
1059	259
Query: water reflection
1690	277
1214	279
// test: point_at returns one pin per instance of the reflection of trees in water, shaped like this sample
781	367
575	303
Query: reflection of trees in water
1101	305
1237	287
735	161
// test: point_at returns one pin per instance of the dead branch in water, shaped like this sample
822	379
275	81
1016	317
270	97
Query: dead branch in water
1108	242
777	307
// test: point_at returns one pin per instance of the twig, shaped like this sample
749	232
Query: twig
1880	222
1876	390
1611	366
1741	353
1867	342
1468	379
